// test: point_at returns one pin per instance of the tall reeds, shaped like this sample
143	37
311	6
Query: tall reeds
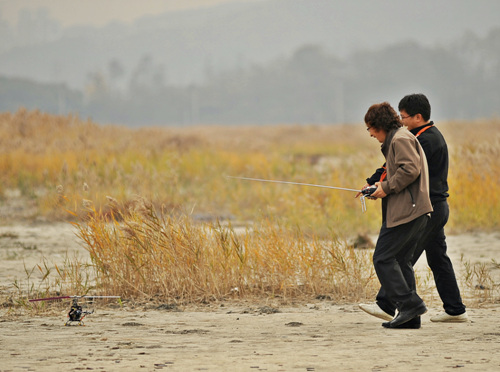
139	252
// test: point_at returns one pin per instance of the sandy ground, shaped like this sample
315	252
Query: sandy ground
315	335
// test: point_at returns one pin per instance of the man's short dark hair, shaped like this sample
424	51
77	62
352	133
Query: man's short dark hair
415	104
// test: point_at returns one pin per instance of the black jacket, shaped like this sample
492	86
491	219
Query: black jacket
436	151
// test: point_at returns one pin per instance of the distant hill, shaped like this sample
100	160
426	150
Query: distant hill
53	98
310	86
191	45
274	61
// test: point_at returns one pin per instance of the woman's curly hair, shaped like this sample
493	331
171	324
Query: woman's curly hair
382	116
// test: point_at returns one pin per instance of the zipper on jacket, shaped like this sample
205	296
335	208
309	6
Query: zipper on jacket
412	200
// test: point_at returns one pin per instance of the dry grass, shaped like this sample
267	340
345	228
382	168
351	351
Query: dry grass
141	253
156	213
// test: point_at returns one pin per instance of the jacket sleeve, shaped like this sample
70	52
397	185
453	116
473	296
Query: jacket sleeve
375	177
406	165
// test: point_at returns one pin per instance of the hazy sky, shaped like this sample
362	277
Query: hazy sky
100	12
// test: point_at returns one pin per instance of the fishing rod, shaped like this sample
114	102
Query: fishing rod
366	192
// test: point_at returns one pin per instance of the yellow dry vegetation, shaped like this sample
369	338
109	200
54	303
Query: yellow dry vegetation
160	219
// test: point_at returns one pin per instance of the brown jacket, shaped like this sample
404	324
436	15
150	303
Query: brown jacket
407	181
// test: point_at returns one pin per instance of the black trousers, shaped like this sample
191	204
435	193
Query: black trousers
433	242
392	261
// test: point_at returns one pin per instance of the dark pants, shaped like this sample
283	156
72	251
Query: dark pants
433	241
392	261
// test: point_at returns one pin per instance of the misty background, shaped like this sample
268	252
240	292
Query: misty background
253	62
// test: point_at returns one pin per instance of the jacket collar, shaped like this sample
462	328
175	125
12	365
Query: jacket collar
418	129
387	141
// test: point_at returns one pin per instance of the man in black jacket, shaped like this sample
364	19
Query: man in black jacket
415	112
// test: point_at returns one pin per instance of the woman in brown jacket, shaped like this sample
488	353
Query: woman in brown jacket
405	208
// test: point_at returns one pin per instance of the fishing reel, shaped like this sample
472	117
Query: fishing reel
76	313
366	193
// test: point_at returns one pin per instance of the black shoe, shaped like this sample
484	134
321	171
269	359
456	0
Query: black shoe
411	324
405	316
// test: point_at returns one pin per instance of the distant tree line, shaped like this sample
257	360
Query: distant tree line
311	86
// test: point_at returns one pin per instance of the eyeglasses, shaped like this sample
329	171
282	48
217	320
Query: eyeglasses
405	117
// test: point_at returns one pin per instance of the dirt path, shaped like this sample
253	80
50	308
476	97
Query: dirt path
234	336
